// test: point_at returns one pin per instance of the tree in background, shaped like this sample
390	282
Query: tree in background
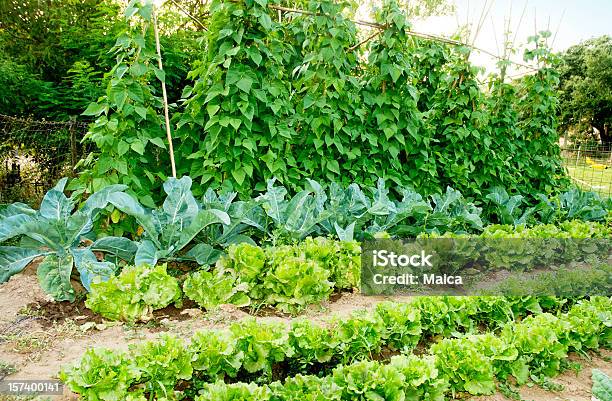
54	54
52	49
585	89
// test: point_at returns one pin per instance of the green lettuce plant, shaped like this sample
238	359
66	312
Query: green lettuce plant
540	345
162	364
211	289
288	277
215	354
104	375
466	367
60	234
134	294
261	344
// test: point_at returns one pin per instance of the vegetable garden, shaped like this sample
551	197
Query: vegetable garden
299	137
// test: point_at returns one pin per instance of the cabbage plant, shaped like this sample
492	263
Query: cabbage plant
169	230
58	233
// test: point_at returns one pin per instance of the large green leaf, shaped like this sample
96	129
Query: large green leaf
297	210
319	194
356	201
179	204
100	199
241	215
412	205
302	215
201	221
444	202
77	226
13	226
602	386
146	254
90	268
255	217
15	209
345	234
126	204
14	259
131	207
204	254
507	206
381	205
55	205
180	208
274	201
123	248
47	233
54	277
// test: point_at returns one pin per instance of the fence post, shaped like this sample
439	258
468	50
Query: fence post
73	146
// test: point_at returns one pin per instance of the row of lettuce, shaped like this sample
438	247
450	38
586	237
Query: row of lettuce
288	277
366	355
95	237
291	277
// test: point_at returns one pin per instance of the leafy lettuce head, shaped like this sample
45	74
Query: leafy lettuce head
245	259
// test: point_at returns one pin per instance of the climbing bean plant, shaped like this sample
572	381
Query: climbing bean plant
128	122
287	95
237	123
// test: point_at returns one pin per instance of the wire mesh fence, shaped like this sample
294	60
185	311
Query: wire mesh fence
35	154
590	166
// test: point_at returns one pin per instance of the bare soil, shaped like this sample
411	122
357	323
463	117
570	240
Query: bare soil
38	336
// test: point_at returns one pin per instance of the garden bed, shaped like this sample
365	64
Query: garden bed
37	345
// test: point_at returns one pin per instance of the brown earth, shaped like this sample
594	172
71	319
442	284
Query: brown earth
38	336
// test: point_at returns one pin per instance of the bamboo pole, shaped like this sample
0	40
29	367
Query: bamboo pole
164	95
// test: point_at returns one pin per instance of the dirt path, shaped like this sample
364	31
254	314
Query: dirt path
33	347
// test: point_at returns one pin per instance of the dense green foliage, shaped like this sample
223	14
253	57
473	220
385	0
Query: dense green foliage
186	231
585	89
55	54
534	347
293	98
56	57
339	106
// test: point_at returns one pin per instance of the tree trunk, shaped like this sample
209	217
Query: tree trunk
604	134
